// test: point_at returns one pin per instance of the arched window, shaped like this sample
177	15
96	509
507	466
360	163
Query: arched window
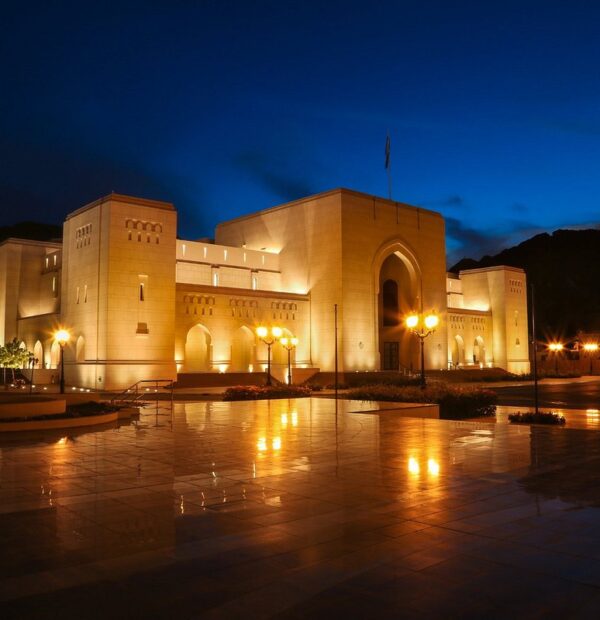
390	303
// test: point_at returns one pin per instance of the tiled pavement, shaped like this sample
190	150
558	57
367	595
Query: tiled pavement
287	509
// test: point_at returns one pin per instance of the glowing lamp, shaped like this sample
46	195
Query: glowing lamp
277	332
590	346
412	321
262	331
62	336
556	346
431	321
295	342
284	341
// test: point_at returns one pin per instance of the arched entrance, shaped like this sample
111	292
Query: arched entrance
242	350
458	351
54	355
80	349
478	351
38	353
396	298
198	349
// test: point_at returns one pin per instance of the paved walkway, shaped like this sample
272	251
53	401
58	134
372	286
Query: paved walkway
288	509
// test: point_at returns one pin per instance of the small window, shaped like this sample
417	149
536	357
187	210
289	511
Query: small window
254	283
47	262
517	342
129	236
141	291
142	328
183	249
215	279
77	294
85	294
54	259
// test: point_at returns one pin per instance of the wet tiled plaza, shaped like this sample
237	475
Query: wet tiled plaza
290	509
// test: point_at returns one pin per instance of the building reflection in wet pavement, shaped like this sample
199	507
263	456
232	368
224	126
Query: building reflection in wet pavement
291	508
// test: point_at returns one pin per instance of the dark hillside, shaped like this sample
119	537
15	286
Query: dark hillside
565	270
32	230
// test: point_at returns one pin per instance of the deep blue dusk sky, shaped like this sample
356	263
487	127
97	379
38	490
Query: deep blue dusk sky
228	107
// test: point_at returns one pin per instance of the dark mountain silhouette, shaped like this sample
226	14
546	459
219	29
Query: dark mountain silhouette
564	268
32	230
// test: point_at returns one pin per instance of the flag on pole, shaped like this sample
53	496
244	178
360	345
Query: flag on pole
388	146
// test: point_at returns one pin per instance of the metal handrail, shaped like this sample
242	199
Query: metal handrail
141	389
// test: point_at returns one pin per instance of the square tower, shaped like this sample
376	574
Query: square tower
334	247
118	292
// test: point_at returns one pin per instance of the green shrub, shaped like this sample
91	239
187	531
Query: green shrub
89	408
454	402
542	417
256	392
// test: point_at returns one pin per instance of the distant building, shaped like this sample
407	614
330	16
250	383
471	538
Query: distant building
140	303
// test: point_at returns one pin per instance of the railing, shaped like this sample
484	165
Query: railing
407	372
143	391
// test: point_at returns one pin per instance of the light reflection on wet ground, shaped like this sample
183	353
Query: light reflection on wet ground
287	507
575	418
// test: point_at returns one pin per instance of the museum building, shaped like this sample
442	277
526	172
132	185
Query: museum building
140	303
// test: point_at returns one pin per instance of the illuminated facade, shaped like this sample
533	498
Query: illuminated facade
140	303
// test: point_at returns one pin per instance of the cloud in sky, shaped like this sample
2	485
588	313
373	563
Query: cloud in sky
455	201
272	176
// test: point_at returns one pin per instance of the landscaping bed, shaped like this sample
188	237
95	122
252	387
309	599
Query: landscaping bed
542	417
80	414
255	392
455	403
360	379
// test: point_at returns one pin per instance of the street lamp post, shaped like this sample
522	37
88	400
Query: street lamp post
33	360
591	348
556	348
289	344
422	326
62	337
269	338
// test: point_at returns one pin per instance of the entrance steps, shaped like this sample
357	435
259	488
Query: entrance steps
357	379
228	379
219	379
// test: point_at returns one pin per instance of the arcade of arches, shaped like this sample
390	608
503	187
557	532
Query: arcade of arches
247	352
